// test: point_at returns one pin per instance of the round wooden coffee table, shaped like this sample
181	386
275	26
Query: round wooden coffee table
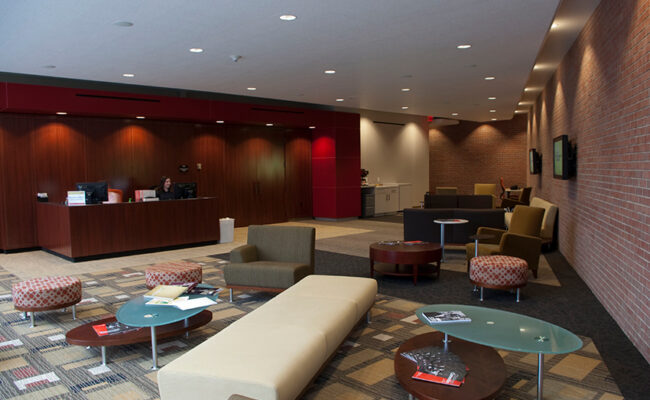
485	379
411	255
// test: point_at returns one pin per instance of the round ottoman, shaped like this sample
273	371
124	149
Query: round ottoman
498	272
49	293
173	272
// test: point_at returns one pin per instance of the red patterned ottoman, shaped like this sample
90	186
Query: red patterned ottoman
173	272
49	293
498	272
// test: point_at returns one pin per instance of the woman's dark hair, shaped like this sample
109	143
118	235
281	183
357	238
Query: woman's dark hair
161	187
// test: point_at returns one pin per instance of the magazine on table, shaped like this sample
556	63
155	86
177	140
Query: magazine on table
165	292
436	365
204	291
112	328
446	317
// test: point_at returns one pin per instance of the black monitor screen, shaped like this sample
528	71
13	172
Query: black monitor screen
185	190
96	192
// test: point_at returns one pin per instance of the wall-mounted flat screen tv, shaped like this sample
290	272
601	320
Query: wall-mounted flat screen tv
561	157
534	162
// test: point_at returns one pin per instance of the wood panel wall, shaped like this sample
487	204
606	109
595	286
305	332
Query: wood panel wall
50	154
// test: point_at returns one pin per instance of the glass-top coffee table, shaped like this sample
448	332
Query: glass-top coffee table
508	331
137	313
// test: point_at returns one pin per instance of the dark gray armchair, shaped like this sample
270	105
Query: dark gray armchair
275	258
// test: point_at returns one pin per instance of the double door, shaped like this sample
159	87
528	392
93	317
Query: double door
259	172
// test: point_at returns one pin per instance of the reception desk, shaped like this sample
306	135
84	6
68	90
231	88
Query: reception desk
79	232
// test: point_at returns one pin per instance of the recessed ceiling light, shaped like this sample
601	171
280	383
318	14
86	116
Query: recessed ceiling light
61	113
463	46
312	127
269	124
252	89
489	78
493	110
405	108
330	71
554	25
49	66
220	122
196	50
406	89
520	111
140	117
532	89
128	75
492	98
287	17
340	99
454	114
124	24
494	119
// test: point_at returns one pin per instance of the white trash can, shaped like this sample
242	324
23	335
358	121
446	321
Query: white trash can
226	230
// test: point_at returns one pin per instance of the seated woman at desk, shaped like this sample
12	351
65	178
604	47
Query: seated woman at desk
164	191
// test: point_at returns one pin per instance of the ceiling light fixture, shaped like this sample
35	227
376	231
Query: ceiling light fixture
128	75
252	89
288	17
454	114
463	46
269	124
492	98
520	111
219	122
140	117
494	119
405	108
61	113
493	110
312	127
406	89
489	78
196	50
330	71
555	25
339	99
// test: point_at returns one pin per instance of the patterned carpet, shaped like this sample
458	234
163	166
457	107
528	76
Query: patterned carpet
38	364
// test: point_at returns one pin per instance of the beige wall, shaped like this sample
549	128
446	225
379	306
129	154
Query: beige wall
396	150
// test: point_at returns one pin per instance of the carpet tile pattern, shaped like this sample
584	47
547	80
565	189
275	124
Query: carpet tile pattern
37	363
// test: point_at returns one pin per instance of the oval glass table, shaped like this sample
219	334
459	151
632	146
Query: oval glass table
137	313
506	330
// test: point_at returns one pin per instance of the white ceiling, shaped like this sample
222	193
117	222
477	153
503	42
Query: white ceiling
377	47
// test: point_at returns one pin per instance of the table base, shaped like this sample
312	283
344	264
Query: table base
405	270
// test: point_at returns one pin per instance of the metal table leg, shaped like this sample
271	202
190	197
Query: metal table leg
442	240
187	324
104	355
540	375
154	350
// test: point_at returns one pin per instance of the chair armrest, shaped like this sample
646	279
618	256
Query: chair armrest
497	233
510	203
243	254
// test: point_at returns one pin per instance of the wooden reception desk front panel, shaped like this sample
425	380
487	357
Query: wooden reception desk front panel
93	230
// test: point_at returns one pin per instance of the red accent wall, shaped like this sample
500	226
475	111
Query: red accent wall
471	152
336	167
599	96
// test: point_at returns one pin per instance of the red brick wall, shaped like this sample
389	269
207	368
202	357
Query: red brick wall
599	96
471	152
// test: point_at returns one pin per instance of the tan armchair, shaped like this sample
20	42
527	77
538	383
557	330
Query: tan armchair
487	188
275	258
521	240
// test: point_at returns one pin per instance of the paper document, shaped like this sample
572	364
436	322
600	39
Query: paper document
195	303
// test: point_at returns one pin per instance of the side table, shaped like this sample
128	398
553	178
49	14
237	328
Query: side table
443	222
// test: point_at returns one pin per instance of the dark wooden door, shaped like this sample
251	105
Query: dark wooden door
241	175
298	189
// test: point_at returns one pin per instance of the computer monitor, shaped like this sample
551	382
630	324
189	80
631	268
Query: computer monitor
96	192
185	190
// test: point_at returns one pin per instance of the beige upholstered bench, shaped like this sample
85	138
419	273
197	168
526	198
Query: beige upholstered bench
275	351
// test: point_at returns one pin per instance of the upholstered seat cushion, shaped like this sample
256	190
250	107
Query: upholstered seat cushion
498	271
46	293
271	274
484	249
173	272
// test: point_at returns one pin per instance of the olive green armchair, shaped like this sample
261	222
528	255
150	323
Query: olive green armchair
274	258
520	240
